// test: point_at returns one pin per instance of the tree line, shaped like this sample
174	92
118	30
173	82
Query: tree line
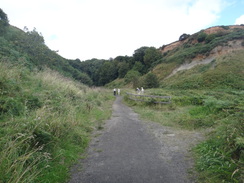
28	47
131	68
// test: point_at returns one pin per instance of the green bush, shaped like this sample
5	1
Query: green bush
201	37
151	81
222	156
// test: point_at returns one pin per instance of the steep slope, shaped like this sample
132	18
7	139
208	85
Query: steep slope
28	48
190	62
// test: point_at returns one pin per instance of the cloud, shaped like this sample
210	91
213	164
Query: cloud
88	29
240	20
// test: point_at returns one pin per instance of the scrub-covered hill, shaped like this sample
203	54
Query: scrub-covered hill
211	58
28	48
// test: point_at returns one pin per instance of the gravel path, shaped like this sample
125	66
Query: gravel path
129	150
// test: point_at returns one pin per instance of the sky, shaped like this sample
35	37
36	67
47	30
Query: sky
105	29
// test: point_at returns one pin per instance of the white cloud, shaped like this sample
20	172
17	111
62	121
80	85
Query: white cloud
88	29
240	20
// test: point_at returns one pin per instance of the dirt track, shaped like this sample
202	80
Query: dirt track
133	151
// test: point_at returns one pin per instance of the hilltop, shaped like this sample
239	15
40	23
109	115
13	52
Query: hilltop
209	31
203	54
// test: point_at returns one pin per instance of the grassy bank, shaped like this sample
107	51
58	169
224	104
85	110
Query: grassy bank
220	158
45	123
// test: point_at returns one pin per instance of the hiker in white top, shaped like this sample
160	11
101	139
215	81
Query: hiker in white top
142	90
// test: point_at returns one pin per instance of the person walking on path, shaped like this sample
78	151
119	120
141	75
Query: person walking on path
114	91
138	90
118	91
142	90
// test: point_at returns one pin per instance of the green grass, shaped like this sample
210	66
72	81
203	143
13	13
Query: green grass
221	157
45	123
224	72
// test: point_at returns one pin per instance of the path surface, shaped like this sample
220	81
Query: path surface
132	151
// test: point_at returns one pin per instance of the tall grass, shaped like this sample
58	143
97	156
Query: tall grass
45	123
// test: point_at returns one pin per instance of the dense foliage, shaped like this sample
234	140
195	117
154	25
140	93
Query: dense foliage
103	72
4	22
45	123
28	48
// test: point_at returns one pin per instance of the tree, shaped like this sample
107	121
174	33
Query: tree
131	76
3	18
123	69
108	72
139	54
82	77
201	37
184	36
151	81
138	66
3	21
151	56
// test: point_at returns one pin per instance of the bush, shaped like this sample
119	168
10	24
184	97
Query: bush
201	37
222	156
151	81
210	37
131	76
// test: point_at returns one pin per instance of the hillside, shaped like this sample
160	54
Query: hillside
46	119
203	57
210	31
28	48
206	48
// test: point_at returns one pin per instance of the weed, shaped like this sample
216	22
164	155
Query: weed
45	123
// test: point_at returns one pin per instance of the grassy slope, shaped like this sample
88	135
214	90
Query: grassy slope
45	123
224	72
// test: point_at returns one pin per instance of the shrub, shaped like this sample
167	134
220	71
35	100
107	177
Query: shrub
151	81
131	76
221	157
201	37
210	37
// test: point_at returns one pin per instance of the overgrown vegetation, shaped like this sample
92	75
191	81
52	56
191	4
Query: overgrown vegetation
28	48
45	123
221	157
149	59
46	118
205	43
223	72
